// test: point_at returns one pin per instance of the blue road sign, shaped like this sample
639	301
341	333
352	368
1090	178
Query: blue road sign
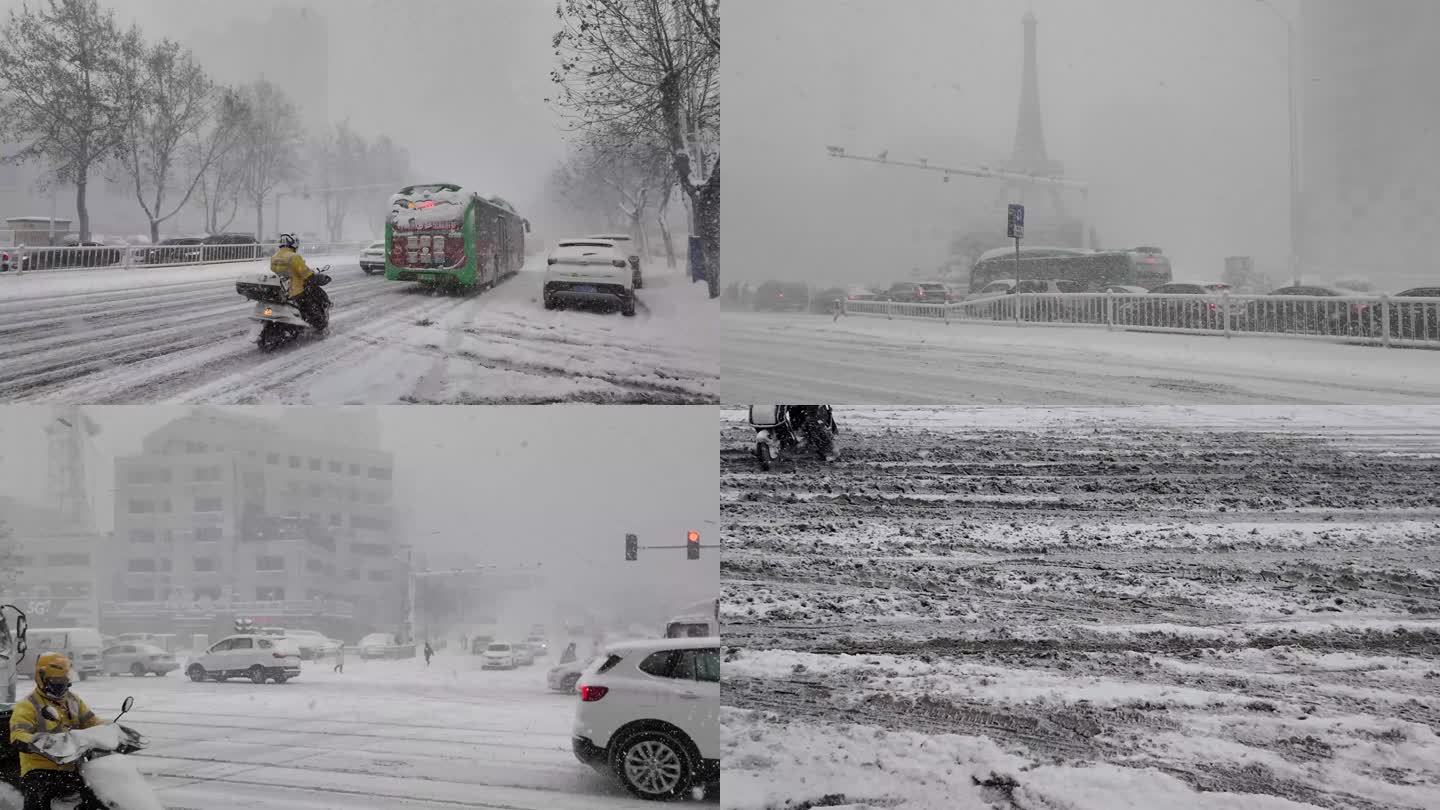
1016	229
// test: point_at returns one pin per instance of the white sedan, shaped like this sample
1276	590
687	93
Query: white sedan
372	258
588	270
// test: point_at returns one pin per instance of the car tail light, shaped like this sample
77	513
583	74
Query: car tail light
779	295
278	654
618	262
590	694
1211	306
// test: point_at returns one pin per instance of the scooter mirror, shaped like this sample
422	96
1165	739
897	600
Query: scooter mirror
125	707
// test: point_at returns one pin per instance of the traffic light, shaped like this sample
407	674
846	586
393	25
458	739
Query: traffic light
632	547
692	545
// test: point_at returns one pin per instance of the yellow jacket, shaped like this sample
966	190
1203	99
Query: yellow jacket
289	264
29	719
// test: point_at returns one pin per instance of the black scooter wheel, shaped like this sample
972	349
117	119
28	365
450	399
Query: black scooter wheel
762	452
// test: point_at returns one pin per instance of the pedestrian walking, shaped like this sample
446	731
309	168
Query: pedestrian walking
428	653
340	658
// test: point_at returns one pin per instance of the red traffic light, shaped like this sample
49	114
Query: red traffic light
693	537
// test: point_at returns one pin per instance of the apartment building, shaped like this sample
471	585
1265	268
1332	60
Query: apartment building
221	516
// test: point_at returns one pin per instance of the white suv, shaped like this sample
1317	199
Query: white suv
498	656
588	270
249	655
650	715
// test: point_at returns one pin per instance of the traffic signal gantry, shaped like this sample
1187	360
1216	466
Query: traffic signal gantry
691	545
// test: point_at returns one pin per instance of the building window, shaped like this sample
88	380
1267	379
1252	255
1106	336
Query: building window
165	505
315	565
294	462
166	564
336	467
379	576
139	507
140	594
354	495
211	473
269	563
272	458
353	573
270	594
354	469
314	490
207	534
72	558
142	566
142	535
380	473
204	563
196	447
315	464
336	521
367	522
209	504
209	592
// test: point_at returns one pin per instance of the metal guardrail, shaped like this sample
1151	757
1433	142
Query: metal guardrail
1378	319
23	259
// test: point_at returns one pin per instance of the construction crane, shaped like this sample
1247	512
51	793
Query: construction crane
68	431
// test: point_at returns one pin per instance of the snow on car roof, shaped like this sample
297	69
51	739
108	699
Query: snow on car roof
653	644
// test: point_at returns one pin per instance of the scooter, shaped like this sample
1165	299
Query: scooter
114	780
276	310
775	434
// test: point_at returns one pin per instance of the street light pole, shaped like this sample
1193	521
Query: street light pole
1292	103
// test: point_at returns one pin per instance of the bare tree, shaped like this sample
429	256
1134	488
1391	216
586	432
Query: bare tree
218	190
651	66
177	102
69	78
270	146
339	157
384	161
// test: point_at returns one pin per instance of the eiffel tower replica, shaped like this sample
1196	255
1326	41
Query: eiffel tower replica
1047	224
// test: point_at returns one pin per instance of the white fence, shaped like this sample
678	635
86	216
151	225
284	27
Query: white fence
28	259
1378	319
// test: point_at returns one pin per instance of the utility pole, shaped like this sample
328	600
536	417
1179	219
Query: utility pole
1293	105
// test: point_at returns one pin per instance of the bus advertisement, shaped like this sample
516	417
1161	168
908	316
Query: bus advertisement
443	235
1140	267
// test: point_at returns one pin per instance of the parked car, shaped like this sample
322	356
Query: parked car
918	292
652	703
479	643
175	250
138	659
1415	320
247	655
376	645
1124	289
372	258
781	296
498	655
312	643
1312	316
1204	312
230	247
538	645
588	270
626	246
524	656
564	677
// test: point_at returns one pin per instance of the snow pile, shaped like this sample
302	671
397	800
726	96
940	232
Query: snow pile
429	209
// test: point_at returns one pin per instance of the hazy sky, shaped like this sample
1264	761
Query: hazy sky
460	83
557	484
1173	110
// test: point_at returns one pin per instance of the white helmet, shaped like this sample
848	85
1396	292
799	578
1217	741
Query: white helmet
288	240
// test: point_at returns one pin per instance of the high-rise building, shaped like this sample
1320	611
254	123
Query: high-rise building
223	516
1370	183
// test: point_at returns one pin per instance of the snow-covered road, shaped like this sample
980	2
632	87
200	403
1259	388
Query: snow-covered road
382	735
184	335
866	360
1174	607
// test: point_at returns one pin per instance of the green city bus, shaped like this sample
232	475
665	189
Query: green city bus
443	235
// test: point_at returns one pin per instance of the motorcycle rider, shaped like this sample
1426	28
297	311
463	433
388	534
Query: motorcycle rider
42	779
290	265
804	419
